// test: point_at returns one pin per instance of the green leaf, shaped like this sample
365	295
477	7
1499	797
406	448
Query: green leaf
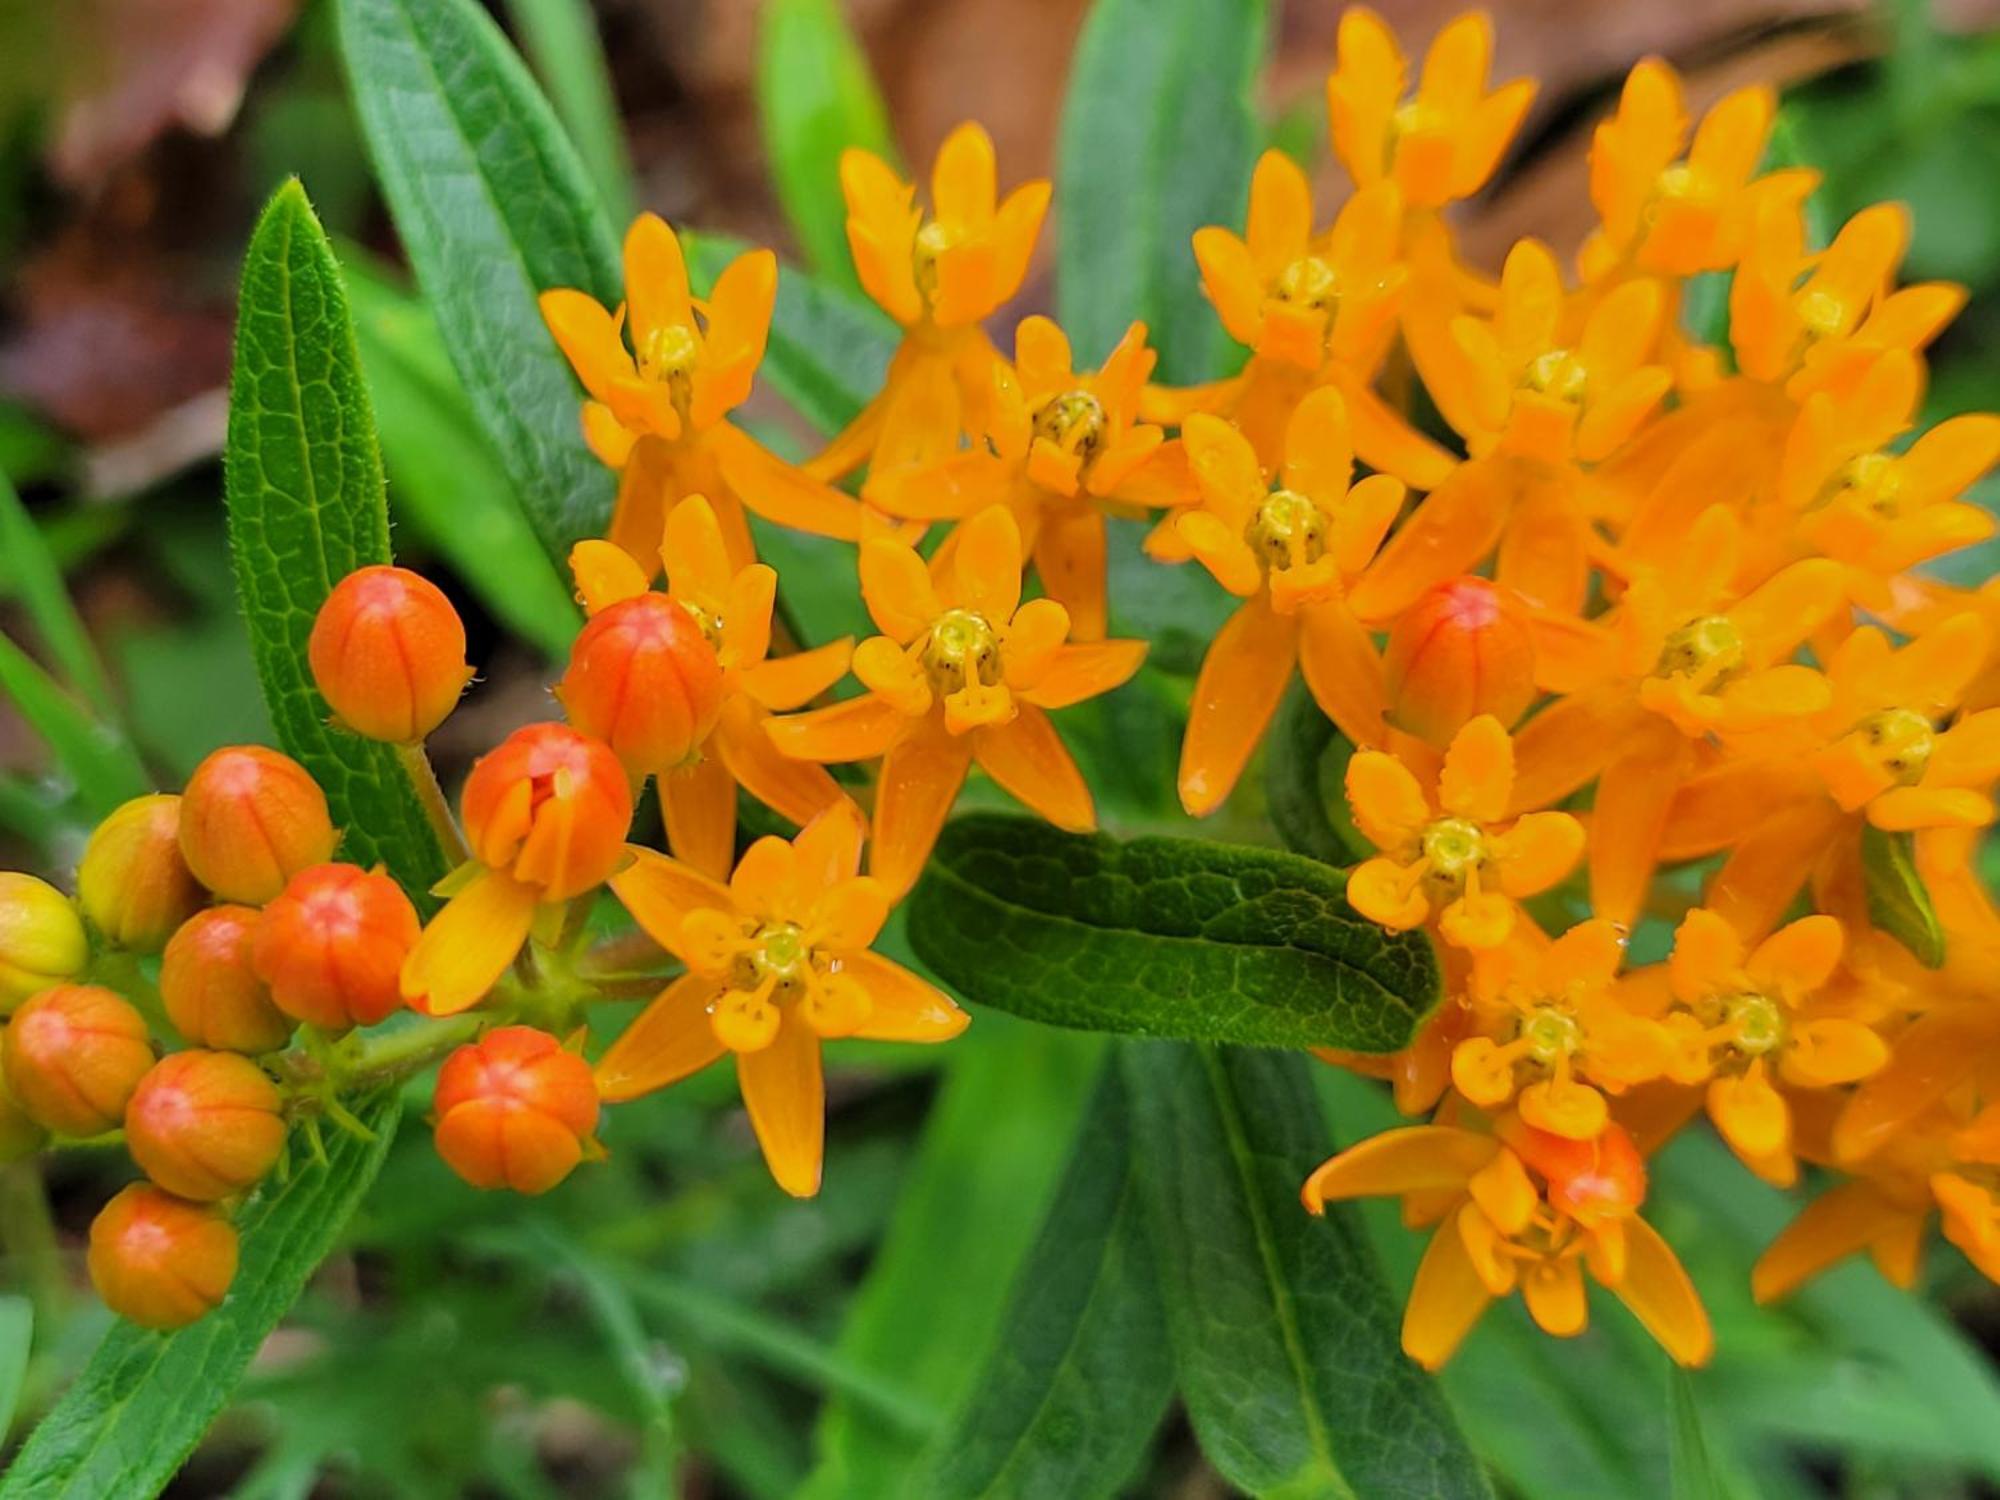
561	40
493	208
39	582
816	97
1284	1336
967	1213
1165	937
306	508
1897	900
1158	140
444	482
1305	783
145	1398
1070	1394
98	758
17	1335
1693	1472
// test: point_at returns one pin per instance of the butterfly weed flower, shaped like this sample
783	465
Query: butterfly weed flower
516	1110
778	962
133	882
161	1261
250	819
42	941
387	653
74	1055
329	950
210	986
1465	648
205	1125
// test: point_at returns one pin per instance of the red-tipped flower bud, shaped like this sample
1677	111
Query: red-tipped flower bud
1462	650
21	1134
388	654
74	1055
1593	1180
513	1110
331	946
251	819
550	807
42	942
210	986
158	1260
133	882
644	679
204	1125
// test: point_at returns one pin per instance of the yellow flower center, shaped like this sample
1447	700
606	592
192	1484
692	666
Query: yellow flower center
1900	741
1757	1022
669	355
963	648
1287	531
1822	313
1558	373
777	955
1873	481
1074	422
1704	653
1308	282
1454	849
1550	1033
1683	182
711	624
933	239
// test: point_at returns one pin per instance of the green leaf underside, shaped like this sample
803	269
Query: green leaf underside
1305	783
144	1400
306	508
1069	1397
1284	1336
1897	900
493	208
1158	140
1165	937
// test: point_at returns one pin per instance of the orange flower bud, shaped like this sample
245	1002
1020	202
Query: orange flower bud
204	1125
388	654
42	941
332	945
1591	1180
550	807
20	1133
644	679
513	1110
133	882
251	819
210	986
1462	650
74	1055
158	1260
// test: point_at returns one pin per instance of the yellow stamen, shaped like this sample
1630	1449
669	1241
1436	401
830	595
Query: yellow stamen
1308	282
963	648
1706	654
1073	421
1288	530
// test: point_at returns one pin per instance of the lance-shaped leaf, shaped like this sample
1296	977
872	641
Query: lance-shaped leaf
306	508
1897	900
1165	937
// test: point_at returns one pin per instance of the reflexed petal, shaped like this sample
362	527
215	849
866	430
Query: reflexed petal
659	892
788	681
699	804
786	1095
1788	607
1661	1297
468	945
779	492
1079	671
1445	1301
1826	1231
906	1008
1771	862
1029	761
668	1040
794	789
1909	808
1344	672
1634	795
1415	1158
1242	678
1450	532
855	729
1585	957
920	779
852	912
1070	558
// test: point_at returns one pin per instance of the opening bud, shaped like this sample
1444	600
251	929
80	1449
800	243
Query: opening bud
133	882
210	985
331	946
42	941
1590	1180
74	1055
550	807
158	1260
1461	650
644	679
388	654
514	1110
205	1125
251	819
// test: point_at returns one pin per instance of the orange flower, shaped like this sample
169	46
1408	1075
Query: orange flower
938	277
1466	647
1461	862
1065	450
1442	144
657	409
1553	1032
962	671
1291	553
1529	1215
732	608
778	962
1742	1015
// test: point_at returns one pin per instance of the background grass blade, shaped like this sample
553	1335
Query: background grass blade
145	1398
494	208
306	508
38	582
97	758
562	43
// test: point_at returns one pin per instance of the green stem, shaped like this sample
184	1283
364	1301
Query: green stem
380	1060
424	782
28	1237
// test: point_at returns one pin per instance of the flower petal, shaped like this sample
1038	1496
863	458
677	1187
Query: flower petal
1029	760
1660	1296
920	779
659	892
906	1008
785	1093
468	945
699	804
668	1040
1242	678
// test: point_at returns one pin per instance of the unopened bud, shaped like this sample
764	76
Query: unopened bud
205	1125
159	1260
330	948
74	1055
1590	1180
133	882
1461	650
42	941
514	1109
644	679
210	986
388	654
251	819
550	807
